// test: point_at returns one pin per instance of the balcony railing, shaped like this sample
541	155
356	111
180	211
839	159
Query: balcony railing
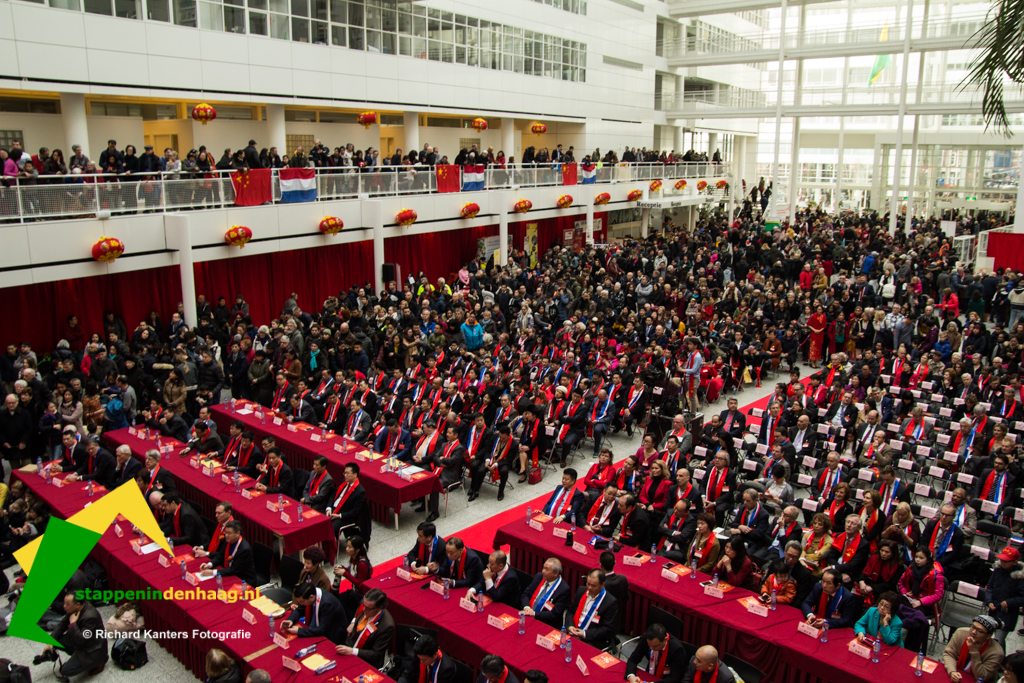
99	195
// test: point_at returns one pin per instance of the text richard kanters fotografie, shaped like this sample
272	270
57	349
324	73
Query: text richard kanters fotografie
167	594
194	634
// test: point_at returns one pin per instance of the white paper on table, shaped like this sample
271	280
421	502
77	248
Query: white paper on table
199	575
244	411
149	548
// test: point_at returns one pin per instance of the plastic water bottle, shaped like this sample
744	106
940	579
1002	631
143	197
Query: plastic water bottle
919	667
232	405
245	587
714	579
220	582
184	570
572	521
39	467
480	603
89	488
280	501
362	679
405	562
654	552
876	649
238	484
446	589
693	568
147	433
263	418
568	649
775	600
529	514
522	622
170	544
561	639
824	632
323	433
298	513
273	630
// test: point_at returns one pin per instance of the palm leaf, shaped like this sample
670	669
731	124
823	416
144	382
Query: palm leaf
1000	41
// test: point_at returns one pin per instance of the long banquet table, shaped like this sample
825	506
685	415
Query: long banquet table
771	643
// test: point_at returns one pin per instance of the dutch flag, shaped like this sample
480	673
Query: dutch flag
589	174
297	185
472	177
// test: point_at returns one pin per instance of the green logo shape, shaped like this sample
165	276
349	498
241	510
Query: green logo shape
62	550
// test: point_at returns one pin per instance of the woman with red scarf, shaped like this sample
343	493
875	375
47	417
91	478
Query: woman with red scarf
817	542
600	475
840	507
903	530
735	566
817	324
872	519
705	547
655	489
882	572
647	453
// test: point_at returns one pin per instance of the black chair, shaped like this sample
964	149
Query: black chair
524	579
406	636
289	568
263	557
748	672
299	480
463	674
210	525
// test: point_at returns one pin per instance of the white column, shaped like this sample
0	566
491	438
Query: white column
778	113
677	139
275	129
590	219
76	125
712	144
645	222
893	205
917	118
508	137
740	162
373	217
411	131
504	200
178	233
794	166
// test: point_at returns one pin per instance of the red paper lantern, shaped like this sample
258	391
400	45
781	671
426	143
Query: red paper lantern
331	225
204	113
655	185
539	129
406	217
470	210
635	195
523	205
721	184
107	249
565	201
602	199
701	185
367	119
237	236
680	184
479	125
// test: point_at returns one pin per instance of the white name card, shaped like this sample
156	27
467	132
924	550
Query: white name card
194	462
810	504
922	490
758	609
950	456
162	559
403	574
632	561
822	412
905	464
247	494
225	478
698	474
292	428
314	437
137	547
117	531
670	575
990	507
983	553
928	512
285	518
496	622
886	378
713	591
700	451
561	532
289	663
965	478
809	461
896	445
192	579
280	641
581	548
272	506
936	472
945	412
954	426
550	431
133	431
859	650
437	587
467	604
581	665
207	471
278	421
248	616
807	629
804	479
923	450
541	640
866	474
339	448
823	429
969	589
959	401
761	449
750	465
1018	515
535	525
658	391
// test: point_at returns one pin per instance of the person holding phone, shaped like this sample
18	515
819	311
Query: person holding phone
881	621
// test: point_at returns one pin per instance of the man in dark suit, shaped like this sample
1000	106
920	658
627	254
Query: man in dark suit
634	404
181	524
769	424
751	522
447	464
865	433
571	426
358	423
668	651
824	484
72	454
719	487
244	456
995	483
127	466
234	557
850	550
324	615
548	595
275	477
348	509
319	491
98	465
676	531
494	670
733	421
785	529
830	602
603	516
803	437
565	499
842	414
711	668
155	476
88	654
332	415
591	614
493	459
533	444
301	410
206	441
428	664
634	529
395	441
429	551
171	424
371	630
498	581
462	567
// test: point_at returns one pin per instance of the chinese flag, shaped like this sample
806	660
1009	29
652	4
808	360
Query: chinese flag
252	187
448	178
568	174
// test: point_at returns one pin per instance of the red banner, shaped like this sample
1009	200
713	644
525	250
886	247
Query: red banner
448	178
568	174
252	187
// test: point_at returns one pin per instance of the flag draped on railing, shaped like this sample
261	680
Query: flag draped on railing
568	174
589	174
297	185
252	187
473	177
448	179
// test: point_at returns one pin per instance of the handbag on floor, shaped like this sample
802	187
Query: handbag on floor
535	476
129	654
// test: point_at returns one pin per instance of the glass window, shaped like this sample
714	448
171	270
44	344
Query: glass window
279	26
98	7
156	10
258	23
355	37
300	8
460	35
373	17
405	46
300	30
280	6
433	13
419	10
319	29
339	35
211	16
446	16
419	48
234	19
339	11
319	9
355	14
460	54
433	29
389	20
419	27
388	43
372	41
460	19
434	50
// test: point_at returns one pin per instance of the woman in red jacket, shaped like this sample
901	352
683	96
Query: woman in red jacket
600	475
654	490
735	566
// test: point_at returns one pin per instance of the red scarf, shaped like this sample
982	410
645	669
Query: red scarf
832	510
231	552
274	472
673	524
698	677
705	551
715	486
593	517
658	660
314	483
218	534
339	502
436	666
461	573
365	626
279	394
626	532
848	549
497	457
177	521
332	412
965	656
570	411
152	479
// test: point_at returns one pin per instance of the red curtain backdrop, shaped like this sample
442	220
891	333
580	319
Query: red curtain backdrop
37	313
1007	248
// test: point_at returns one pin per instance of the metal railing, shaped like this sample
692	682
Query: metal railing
100	195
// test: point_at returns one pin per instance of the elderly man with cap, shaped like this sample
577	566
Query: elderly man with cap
1004	593
972	654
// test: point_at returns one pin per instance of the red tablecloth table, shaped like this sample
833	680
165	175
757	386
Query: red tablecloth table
386	493
127	570
258	522
770	643
466	636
